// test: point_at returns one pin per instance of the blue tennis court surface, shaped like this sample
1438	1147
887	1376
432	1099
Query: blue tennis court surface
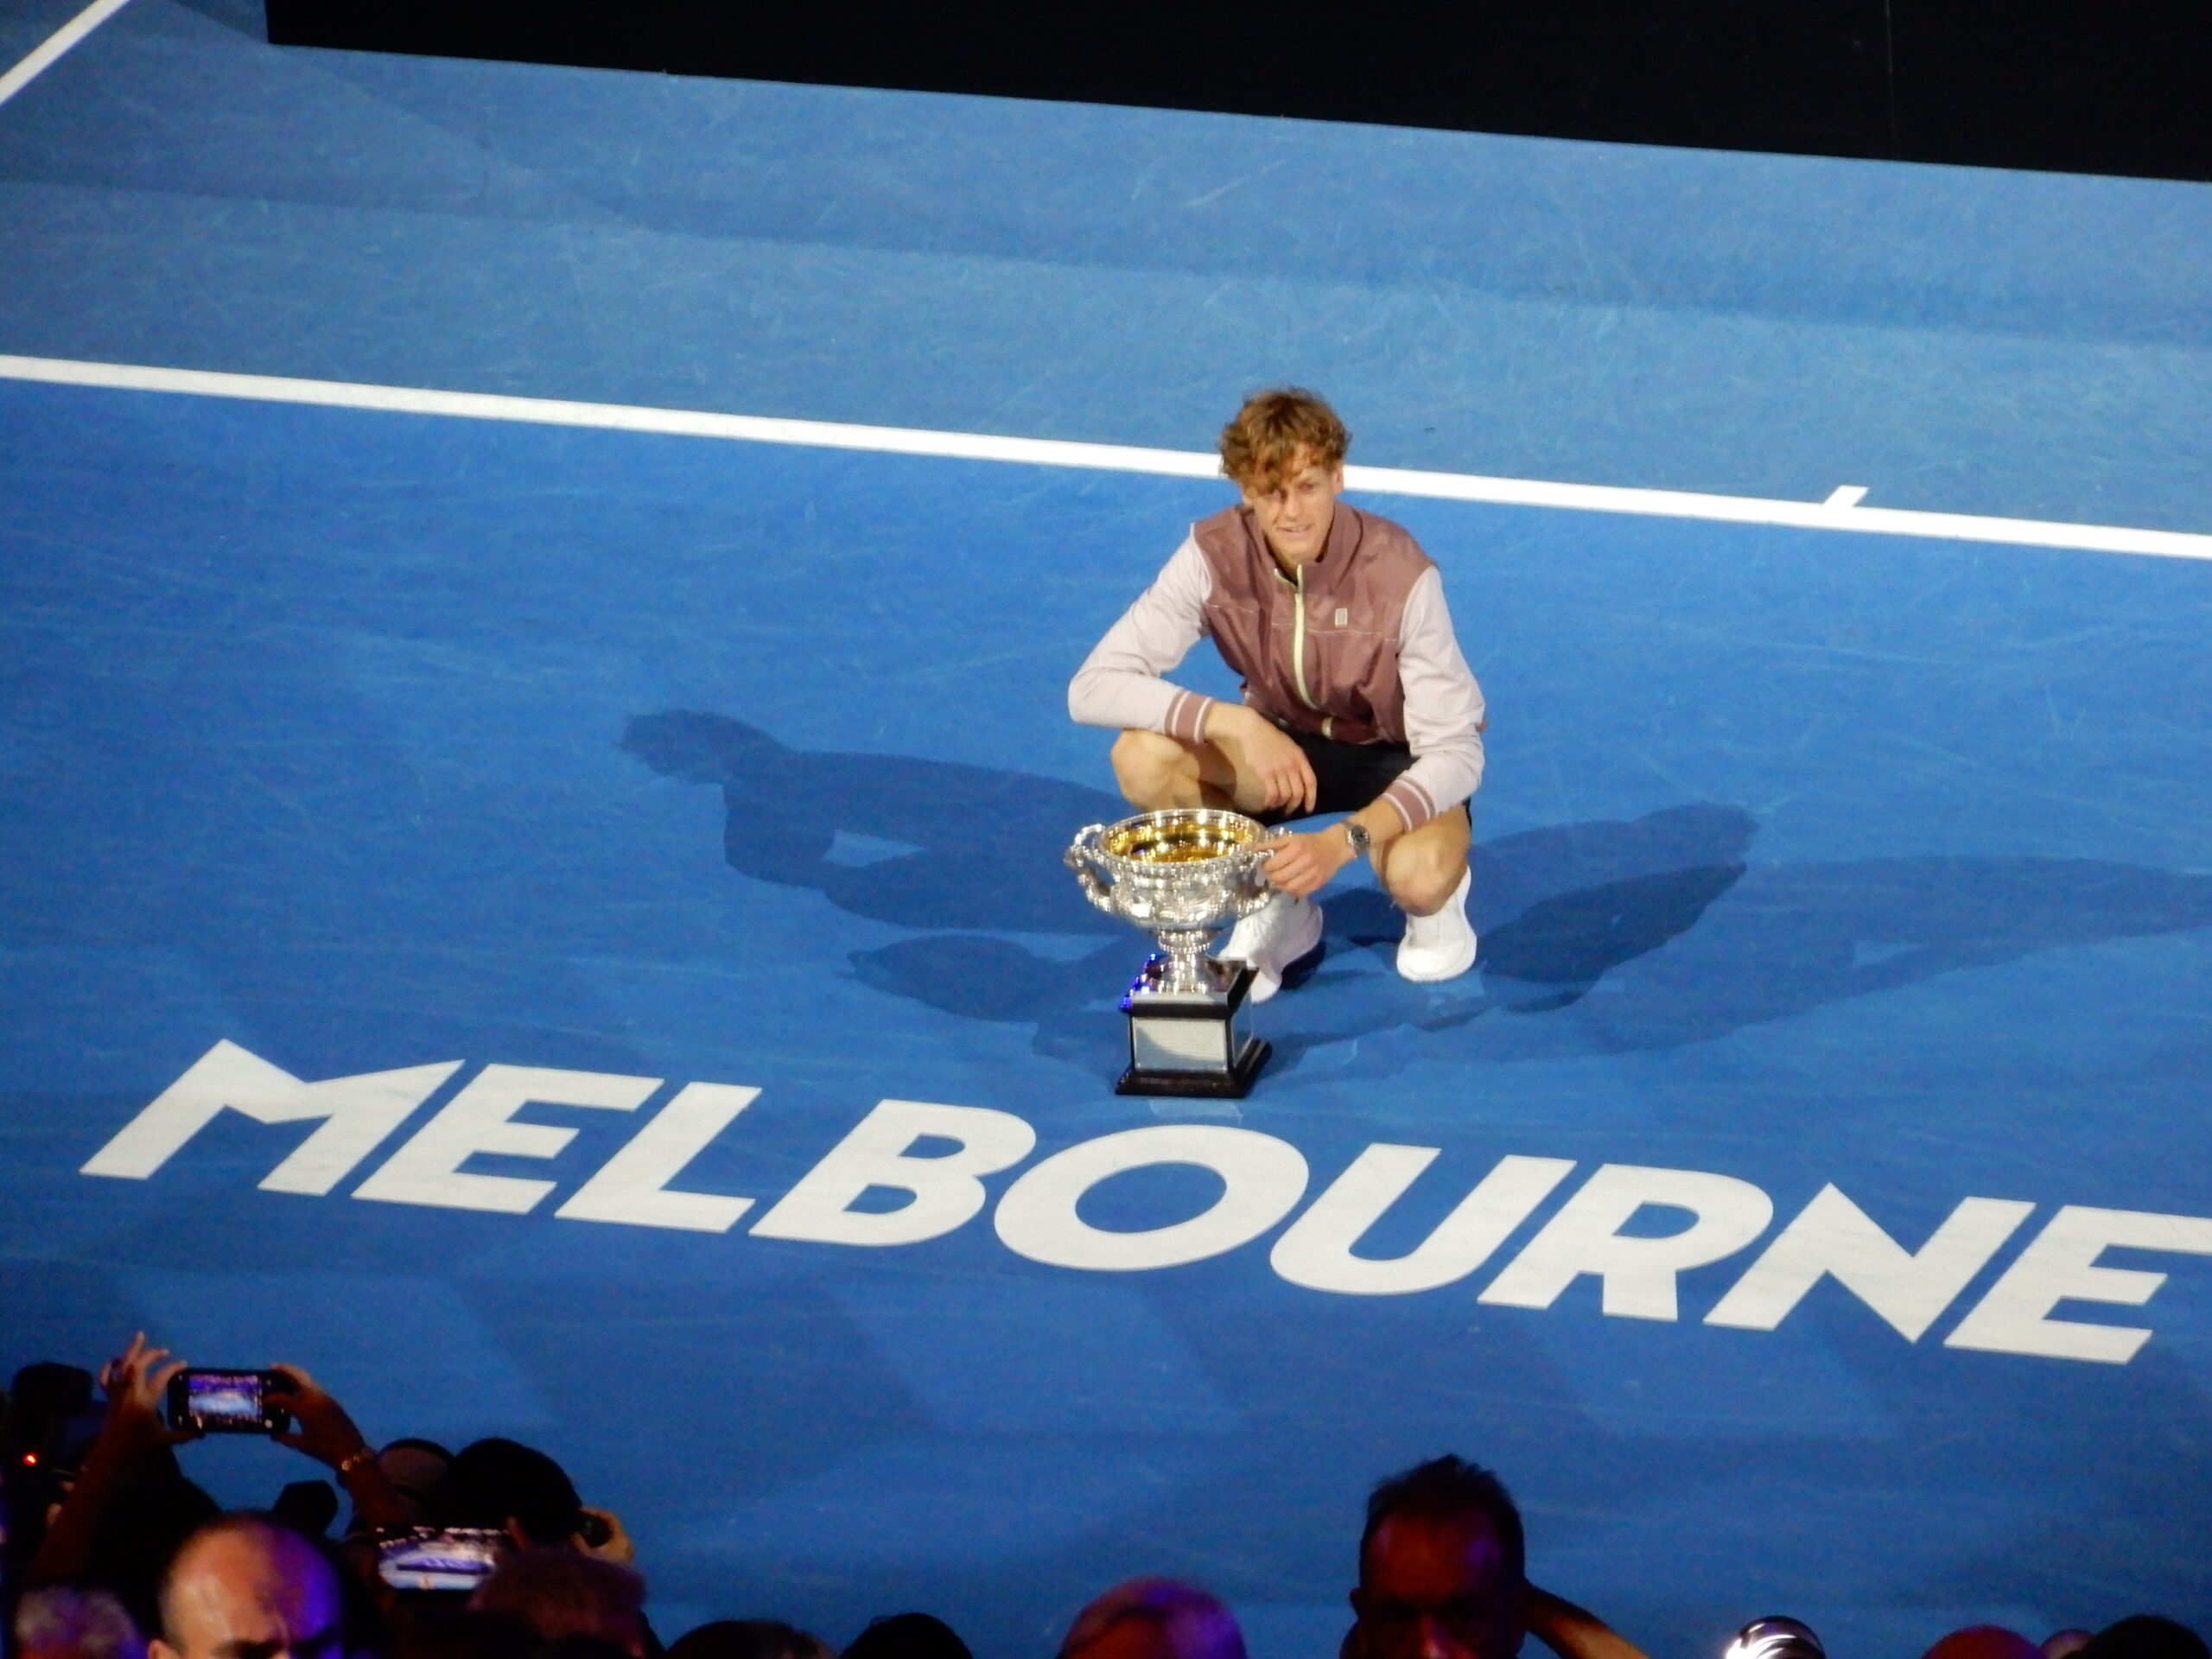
362	741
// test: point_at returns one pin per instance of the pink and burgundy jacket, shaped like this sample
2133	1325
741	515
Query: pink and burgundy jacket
1357	646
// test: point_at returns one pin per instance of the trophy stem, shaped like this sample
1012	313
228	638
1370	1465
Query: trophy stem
1185	951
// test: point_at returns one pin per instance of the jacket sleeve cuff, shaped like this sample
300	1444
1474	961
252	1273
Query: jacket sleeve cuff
1187	716
1411	801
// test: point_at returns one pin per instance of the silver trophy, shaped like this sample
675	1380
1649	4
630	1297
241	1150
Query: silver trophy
1183	873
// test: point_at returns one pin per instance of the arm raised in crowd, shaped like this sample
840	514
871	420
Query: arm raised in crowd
326	1433
132	1429
1574	1632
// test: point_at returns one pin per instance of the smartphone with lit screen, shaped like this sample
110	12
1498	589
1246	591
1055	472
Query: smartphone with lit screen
210	1401
440	1558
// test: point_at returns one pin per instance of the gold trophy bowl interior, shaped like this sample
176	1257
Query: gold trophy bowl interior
1180	837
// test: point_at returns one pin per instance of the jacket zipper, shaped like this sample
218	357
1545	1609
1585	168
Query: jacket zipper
1298	654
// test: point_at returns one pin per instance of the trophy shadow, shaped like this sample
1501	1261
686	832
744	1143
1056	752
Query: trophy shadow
1598	936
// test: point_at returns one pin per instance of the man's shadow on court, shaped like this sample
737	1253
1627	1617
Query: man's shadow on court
1600	937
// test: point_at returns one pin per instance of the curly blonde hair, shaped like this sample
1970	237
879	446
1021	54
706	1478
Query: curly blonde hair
1273	429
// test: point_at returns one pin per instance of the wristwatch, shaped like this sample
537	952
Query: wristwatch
1355	833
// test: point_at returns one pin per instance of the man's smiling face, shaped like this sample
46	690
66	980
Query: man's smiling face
1296	510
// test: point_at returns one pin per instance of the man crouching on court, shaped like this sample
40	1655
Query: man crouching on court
1357	699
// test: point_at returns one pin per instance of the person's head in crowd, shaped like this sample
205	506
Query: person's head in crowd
2064	1645
242	1587
415	1469
52	1419
61	1622
1984	1641
2146	1635
561	1593
750	1638
499	1483
308	1507
1442	1566
1153	1618
907	1635
1775	1635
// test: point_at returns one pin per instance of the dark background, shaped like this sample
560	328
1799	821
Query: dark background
2082	85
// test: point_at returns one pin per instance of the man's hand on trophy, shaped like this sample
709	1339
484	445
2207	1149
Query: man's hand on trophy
1303	864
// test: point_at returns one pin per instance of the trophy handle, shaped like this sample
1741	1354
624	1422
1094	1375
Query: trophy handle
1259	853
1082	857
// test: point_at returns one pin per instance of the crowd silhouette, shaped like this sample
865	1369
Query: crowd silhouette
491	1553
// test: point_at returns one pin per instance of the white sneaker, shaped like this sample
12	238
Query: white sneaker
1275	939
1441	946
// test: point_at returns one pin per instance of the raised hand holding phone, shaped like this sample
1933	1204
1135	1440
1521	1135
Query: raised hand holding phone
326	1433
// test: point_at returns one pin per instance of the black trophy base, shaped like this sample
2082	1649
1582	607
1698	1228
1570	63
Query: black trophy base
1232	1084
1191	1042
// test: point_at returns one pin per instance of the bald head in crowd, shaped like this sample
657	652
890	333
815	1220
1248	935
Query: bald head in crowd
1153	1618
244	1588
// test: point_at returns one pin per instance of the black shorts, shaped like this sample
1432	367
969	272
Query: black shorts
1346	776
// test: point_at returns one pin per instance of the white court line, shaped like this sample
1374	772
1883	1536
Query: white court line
44	55
1840	511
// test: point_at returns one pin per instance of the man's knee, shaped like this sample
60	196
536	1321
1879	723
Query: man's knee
1154	771
1422	877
